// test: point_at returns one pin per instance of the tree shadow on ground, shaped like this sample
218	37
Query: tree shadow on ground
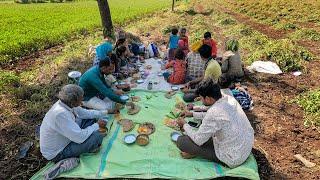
276	84
278	81
192	12
265	169
254	121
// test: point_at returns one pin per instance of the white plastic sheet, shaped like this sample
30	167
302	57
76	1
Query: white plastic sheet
265	67
159	83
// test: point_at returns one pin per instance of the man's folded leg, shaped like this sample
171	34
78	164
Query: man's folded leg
206	151
75	150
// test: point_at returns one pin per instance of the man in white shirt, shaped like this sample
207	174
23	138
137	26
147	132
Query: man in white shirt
225	134
68	130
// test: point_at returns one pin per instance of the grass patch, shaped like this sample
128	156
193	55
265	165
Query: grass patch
285	53
228	21
306	34
310	102
286	26
257	46
246	31
7	80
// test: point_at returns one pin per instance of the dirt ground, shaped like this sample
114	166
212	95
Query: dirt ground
278	122
279	129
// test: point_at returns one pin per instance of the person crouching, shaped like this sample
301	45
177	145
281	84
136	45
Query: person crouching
179	66
68	130
225	135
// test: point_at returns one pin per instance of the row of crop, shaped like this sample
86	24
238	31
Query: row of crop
28	28
279	13
288	15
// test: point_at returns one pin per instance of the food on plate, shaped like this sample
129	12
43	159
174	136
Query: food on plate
126	124
146	128
142	139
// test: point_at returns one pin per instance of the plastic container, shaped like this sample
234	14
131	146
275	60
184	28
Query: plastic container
124	97
74	77
149	86
174	136
142	139
129	139
140	81
174	88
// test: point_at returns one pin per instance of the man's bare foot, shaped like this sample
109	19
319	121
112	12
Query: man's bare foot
197	99
187	155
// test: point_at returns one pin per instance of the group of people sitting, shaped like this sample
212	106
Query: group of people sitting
225	134
202	62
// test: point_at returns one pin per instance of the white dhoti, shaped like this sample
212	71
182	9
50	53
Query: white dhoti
99	104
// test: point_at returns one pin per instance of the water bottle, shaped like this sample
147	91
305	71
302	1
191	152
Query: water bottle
146	54
150	85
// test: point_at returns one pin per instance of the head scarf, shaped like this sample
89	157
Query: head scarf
102	50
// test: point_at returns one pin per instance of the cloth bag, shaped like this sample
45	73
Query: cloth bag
153	50
265	67
195	46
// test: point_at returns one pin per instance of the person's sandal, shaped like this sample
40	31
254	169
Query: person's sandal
95	150
185	155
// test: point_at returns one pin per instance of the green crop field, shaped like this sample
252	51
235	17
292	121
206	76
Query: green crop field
26	28
282	14
302	17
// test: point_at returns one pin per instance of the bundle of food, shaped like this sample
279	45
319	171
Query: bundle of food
149	67
174	114
133	108
135	98
119	106
169	94
181	106
136	76
172	123
117	116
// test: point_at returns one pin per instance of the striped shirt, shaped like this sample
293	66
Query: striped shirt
196	65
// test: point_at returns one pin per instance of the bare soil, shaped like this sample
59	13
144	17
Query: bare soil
280	133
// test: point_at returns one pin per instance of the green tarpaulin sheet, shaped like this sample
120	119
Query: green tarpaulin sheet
159	159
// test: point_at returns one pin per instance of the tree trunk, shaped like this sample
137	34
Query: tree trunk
173	5
105	18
